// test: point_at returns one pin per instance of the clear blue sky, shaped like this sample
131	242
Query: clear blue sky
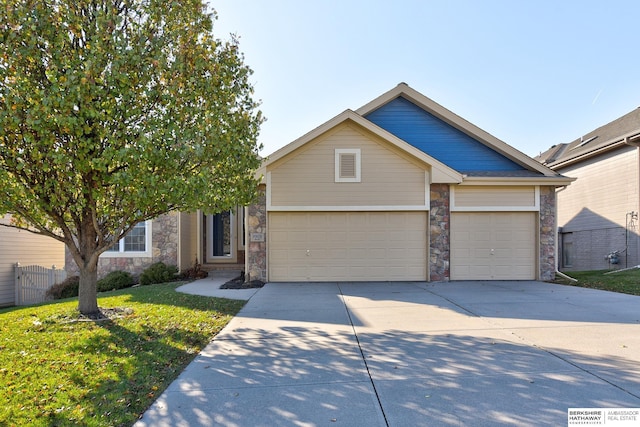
532	73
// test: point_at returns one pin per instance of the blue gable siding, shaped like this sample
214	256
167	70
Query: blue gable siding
438	139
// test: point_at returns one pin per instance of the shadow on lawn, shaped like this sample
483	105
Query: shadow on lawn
141	353
134	368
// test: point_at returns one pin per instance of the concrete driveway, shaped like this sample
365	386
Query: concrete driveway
412	354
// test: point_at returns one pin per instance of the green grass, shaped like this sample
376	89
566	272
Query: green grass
58	371
627	282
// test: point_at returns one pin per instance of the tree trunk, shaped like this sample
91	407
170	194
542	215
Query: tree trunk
87	293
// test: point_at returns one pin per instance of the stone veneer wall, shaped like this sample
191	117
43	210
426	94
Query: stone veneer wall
164	243
256	251
547	233
439	241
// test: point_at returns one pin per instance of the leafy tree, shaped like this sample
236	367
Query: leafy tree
113	112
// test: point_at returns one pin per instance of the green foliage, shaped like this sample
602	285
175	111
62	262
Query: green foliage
115	280
58	371
627	282
158	273
65	289
115	112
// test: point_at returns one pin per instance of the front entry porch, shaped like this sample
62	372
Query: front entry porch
222	240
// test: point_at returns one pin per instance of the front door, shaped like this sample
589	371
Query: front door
221	237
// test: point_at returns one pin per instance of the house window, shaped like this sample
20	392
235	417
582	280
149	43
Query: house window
136	243
348	165
567	250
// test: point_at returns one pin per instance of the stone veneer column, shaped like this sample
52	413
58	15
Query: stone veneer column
257	239
439	242
547	233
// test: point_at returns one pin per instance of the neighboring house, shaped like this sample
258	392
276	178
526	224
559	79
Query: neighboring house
401	189
598	214
20	246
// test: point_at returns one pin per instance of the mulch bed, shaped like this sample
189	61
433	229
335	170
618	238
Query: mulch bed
239	283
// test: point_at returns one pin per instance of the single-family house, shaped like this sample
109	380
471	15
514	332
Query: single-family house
399	189
598	214
20	246
403	189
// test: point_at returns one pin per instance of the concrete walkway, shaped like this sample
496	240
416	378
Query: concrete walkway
210	286
412	354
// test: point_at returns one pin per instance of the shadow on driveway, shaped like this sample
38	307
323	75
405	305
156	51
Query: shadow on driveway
397	354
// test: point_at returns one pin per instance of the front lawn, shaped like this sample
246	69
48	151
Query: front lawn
57	371
627	282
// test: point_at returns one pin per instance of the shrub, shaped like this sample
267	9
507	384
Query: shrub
195	272
115	280
158	273
65	289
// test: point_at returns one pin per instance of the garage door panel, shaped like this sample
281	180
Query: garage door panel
493	245
347	246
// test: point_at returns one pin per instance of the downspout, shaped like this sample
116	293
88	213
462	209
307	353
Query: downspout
634	141
558	272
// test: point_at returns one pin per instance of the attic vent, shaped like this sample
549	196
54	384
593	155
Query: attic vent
584	142
348	165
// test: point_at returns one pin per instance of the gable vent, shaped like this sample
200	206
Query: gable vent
347	165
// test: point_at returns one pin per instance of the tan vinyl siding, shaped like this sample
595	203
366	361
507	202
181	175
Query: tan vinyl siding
494	196
27	249
307	177
608	185
188	239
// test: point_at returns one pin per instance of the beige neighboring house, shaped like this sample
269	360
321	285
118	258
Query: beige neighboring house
27	249
400	189
598	214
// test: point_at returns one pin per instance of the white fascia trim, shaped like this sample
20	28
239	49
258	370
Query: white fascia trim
496	209
557	181
346	208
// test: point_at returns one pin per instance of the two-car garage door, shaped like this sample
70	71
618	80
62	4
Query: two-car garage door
347	246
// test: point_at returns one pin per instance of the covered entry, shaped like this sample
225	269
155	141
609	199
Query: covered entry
347	246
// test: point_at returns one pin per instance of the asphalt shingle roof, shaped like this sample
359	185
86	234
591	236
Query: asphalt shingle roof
597	139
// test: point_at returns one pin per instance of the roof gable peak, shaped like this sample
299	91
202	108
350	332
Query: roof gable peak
405	91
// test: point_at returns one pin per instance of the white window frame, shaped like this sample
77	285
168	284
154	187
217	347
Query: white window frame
338	153
147	253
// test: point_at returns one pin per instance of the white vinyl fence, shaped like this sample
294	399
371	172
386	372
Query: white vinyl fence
33	281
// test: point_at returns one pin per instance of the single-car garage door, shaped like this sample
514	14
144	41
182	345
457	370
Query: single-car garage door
493	245
347	246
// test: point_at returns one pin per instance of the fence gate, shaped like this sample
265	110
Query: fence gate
33	281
